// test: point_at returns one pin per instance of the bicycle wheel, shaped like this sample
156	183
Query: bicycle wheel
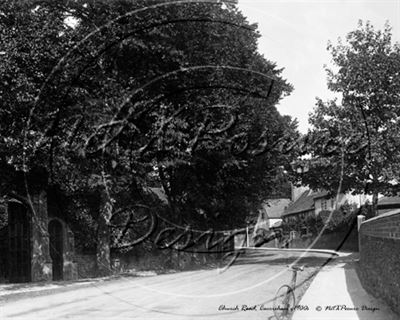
284	302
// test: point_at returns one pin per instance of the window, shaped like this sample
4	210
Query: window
324	204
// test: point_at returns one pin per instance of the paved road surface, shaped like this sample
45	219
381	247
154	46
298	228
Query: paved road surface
206	294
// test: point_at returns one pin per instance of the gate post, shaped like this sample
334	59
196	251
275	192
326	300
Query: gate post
360	220
41	263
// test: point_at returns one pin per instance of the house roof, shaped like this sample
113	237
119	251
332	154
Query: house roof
275	207
304	203
389	201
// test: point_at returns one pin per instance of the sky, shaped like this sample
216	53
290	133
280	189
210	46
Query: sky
295	33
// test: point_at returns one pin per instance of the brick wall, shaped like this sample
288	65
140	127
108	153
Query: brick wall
379	268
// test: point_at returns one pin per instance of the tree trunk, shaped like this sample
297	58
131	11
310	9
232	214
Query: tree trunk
103	236
375	203
172	206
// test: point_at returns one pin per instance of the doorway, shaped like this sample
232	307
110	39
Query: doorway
56	248
19	243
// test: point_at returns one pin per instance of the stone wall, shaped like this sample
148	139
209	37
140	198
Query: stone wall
379	267
86	265
156	260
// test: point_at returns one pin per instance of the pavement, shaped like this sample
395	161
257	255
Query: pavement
19	290
336	293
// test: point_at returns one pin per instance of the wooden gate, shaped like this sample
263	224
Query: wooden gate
19	243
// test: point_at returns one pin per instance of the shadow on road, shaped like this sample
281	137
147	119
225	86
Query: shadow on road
283	257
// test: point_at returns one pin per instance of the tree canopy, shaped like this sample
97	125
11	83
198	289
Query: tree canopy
353	144
114	97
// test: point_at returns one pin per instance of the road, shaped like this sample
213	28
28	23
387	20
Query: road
245	290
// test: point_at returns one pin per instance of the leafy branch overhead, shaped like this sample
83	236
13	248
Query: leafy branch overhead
114	97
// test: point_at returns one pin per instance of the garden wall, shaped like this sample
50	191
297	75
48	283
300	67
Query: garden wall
379	268
342	240
158	260
86	265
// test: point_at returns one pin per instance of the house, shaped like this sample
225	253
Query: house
325	202
270	214
273	208
272	211
295	207
301	208
312	203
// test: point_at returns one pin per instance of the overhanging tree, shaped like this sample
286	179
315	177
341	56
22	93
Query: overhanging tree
128	92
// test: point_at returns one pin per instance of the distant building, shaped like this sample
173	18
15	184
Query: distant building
386	204
273	208
272	212
302	207
312	203
325	202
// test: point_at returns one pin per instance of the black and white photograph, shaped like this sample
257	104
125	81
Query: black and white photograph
200	159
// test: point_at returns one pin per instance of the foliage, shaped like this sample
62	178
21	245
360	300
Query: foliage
354	145
337	220
340	218
314	224
3	215
111	97
83	101
367	210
